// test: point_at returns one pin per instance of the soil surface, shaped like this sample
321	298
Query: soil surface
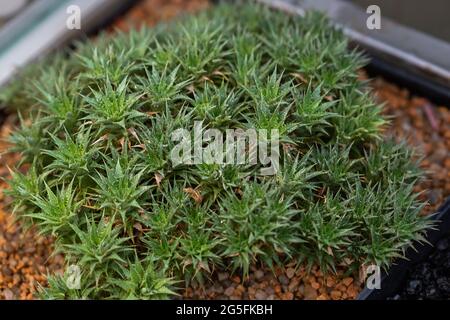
25	257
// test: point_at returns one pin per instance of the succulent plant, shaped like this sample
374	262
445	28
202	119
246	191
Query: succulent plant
96	140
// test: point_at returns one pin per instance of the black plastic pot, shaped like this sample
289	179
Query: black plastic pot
394	278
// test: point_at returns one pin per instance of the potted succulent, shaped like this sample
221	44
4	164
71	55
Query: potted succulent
98	171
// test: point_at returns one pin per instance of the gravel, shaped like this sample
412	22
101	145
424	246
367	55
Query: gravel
263	284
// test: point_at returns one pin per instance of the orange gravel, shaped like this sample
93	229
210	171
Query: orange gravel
150	12
426	127
25	257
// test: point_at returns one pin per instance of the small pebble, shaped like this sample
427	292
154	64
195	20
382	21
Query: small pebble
283	280
347	281
222	276
290	273
259	274
229	291
310	293
260	295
